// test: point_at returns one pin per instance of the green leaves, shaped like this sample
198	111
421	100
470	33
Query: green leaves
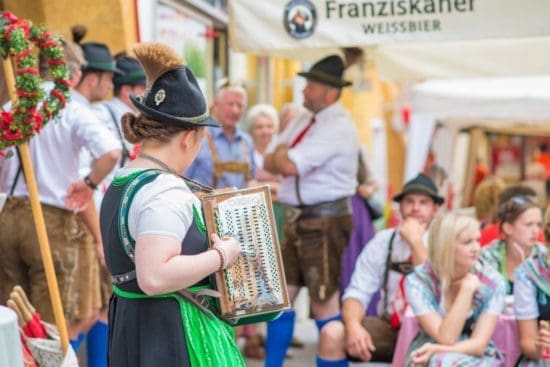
24	120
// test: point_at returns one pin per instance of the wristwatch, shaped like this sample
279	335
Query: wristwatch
89	183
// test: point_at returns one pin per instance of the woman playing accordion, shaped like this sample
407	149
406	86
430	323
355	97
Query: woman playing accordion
153	233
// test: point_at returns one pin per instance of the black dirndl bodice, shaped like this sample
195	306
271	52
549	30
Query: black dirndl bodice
142	332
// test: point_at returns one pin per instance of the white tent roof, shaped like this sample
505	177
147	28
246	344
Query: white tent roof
519	98
463	59
497	103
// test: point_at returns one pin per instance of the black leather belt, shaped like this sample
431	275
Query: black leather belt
403	267
326	209
123	278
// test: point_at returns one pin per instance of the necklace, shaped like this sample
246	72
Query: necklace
194	185
157	161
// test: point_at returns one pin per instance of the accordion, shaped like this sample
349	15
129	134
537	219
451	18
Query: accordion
253	288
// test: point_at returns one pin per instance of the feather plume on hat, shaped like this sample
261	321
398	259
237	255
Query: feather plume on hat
156	59
172	93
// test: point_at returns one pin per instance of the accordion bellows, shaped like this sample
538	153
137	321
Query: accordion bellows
253	289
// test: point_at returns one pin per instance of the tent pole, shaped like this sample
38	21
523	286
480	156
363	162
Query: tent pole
39	220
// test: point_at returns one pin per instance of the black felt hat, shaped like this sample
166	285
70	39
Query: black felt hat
172	93
327	71
98	57
421	184
131	72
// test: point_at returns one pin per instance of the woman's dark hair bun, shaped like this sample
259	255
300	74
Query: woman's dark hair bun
130	129
79	32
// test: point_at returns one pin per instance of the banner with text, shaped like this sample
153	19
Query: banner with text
289	24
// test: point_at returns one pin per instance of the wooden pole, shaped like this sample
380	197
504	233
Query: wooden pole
39	221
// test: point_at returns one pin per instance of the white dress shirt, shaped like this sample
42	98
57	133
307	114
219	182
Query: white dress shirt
118	108
368	274
55	152
326	158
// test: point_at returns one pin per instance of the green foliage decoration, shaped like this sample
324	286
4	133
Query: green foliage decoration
33	108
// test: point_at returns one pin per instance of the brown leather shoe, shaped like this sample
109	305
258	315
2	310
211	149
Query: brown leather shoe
253	348
296	343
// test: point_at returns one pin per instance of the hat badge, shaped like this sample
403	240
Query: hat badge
160	96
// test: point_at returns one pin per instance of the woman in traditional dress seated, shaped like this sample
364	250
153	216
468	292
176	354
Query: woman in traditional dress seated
520	220
456	302
154	238
532	305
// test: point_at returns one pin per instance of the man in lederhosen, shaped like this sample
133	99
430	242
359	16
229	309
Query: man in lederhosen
318	161
382	264
226	155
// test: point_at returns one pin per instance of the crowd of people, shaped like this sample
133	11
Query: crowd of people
121	272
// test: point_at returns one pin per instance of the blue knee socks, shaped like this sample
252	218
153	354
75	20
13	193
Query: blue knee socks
321	323
75	343
97	345
279	336
323	362
339	363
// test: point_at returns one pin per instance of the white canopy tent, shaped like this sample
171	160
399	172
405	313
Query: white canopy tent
521	102
407	39
518	105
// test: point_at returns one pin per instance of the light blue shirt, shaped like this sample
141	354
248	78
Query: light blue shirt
240	149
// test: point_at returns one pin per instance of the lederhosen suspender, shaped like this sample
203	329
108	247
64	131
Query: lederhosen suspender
125	151
403	267
19	170
228	166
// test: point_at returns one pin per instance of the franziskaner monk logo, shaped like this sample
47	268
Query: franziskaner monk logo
300	18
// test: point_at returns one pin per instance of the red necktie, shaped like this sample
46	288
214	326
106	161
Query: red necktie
303	132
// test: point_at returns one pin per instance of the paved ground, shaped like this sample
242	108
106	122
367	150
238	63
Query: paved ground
306	331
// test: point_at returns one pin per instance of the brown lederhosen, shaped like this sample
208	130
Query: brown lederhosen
73	254
313	246
382	334
228	166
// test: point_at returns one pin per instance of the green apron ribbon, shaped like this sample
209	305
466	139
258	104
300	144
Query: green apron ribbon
210	341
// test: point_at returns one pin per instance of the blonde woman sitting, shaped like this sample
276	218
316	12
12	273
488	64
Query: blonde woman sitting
456	303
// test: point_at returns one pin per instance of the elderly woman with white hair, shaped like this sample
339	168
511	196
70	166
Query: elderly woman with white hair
456	300
263	123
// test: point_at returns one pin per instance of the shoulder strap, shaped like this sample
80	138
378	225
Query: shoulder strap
212	147
387	272
245	151
19	170
216	174
127	242
125	152
297	189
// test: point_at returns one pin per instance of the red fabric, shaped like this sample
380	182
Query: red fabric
135	152
40	325
544	159
492	232
399	304
303	132
34	328
28	359
489	233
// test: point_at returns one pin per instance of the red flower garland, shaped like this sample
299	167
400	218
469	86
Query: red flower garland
26	118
